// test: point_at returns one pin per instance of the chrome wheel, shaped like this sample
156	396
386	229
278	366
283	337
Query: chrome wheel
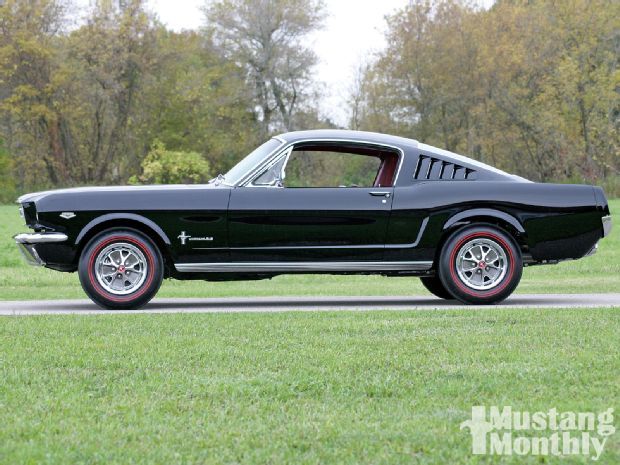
121	268
481	264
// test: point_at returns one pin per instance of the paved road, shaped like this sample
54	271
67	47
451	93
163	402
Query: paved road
279	304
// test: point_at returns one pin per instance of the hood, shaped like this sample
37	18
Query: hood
130	198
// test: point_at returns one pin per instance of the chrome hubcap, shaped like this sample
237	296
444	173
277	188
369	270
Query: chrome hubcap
481	264
121	268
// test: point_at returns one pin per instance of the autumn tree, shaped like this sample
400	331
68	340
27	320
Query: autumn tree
7	181
266	38
551	80
30	122
195	101
69	99
107	60
84	105
529	86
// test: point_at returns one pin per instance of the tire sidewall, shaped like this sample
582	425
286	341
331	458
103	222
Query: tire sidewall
449	276
135	299
434	285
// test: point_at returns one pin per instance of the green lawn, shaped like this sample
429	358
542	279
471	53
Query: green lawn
600	273
379	387
330	388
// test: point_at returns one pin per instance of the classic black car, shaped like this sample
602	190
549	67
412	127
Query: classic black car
324	201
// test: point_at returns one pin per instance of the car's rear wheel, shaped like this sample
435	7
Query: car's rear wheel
480	265
434	286
121	269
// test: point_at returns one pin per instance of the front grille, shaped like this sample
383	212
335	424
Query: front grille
436	169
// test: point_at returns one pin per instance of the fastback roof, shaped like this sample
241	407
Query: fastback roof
401	142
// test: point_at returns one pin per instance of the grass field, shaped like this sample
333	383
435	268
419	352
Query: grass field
297	388
375	387
599	273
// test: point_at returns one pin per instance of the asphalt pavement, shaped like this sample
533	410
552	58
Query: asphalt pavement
282	304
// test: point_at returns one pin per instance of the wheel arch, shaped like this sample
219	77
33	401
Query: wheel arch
483	216
488	215
128	221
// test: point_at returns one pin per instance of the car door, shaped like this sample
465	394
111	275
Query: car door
289	221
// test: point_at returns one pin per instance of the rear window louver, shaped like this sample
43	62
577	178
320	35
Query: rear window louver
434	168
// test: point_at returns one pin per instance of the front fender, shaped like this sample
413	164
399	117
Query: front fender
122	216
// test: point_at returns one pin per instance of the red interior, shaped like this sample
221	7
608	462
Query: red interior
387	170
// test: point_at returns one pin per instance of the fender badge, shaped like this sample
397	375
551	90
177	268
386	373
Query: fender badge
67	215
183	237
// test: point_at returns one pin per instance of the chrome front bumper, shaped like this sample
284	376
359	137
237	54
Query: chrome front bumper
606	225
27	245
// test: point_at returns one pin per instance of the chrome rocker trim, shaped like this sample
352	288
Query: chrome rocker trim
26	245
284	267
606	220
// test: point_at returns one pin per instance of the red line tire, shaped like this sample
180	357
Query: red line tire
121	269
434	285
480	265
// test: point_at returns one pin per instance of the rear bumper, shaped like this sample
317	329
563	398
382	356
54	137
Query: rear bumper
606	220
27	245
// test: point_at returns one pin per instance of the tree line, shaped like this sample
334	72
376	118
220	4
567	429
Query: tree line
110	95
532	86
86	95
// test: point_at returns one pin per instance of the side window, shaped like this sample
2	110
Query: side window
334	166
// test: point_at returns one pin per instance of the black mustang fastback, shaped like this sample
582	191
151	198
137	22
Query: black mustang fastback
322	201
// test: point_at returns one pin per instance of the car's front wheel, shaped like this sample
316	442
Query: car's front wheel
121	269
480	265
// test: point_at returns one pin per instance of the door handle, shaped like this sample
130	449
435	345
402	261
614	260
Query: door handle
380	194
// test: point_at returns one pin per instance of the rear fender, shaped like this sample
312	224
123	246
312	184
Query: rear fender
484	213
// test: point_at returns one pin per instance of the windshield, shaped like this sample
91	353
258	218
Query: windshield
238	171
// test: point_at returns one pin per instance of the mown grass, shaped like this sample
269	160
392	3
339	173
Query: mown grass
298	388
599	273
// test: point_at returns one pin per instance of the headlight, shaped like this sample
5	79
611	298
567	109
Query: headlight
21	212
